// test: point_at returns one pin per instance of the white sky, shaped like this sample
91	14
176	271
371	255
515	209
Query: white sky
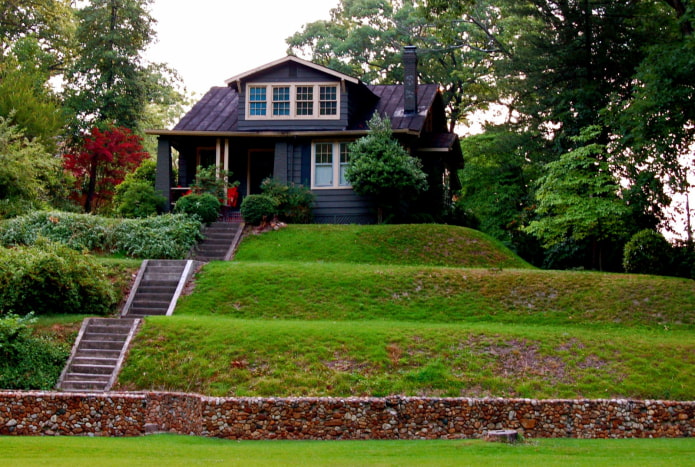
208	41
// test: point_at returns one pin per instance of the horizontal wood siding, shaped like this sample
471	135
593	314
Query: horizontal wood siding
341	207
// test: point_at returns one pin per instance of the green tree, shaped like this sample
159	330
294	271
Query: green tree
48	23
578	200
110	83
382	169
27	172
365	39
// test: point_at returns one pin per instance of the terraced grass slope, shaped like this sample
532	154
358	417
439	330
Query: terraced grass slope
395	315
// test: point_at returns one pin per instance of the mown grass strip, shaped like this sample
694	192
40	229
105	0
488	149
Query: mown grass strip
171	450
427	245
314	291
230	357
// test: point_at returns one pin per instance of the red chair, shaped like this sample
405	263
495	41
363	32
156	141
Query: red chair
232	197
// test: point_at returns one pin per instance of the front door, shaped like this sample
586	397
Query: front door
261	162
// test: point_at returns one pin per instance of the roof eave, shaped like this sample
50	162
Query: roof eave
292	58
270	134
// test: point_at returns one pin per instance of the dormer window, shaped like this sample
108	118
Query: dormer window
292	101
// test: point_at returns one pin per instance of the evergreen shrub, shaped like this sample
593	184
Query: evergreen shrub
294	202
50	278
647	252
206	207
256	208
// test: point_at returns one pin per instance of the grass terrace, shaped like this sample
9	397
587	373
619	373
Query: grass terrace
415	310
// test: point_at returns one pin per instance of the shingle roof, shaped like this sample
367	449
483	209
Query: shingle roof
218	109
391	104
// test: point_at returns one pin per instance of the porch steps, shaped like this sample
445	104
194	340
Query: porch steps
98	354
219	242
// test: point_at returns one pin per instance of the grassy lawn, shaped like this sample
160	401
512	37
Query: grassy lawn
228	357
433	245
172	450
340	291
377	310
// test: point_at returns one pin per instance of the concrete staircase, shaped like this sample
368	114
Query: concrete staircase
157	287
97	354
219	242
101	344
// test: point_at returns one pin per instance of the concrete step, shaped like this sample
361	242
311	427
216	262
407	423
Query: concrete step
91	369
142	312
105	337
74	386
100	345
111	354
87	360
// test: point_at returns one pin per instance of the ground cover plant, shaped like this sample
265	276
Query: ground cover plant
316	321
173	450
160	237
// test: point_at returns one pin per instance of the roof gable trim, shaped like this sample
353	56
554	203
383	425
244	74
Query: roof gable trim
291	58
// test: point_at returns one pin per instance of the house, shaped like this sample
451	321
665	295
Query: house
293	120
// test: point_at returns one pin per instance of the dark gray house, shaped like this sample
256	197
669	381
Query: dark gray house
293	120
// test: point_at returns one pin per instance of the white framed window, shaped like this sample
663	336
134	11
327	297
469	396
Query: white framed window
329	162
293	101
281	101
258	101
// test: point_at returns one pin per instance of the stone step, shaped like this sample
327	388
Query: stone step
111	354
91	377
104	337
88	369
74	386
141	312
144	302
121	328
100	345
95	360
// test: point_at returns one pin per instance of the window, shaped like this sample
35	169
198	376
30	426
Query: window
305	100
329	164
281	101
328	100
292	101
257	100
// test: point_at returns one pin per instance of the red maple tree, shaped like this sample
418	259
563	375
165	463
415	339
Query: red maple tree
102	162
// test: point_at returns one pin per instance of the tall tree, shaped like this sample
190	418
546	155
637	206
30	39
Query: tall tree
578	200
49	23
108	84
365	39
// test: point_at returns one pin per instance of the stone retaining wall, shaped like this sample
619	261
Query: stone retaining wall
133	414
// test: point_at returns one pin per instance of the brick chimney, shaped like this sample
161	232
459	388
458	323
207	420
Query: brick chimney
410	79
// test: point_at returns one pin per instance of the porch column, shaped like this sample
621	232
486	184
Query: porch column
164	172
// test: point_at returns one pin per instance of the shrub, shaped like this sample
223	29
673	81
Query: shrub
205	207
138	199
170	236
294	202
256	208
27	362
647	252
77	231
52	278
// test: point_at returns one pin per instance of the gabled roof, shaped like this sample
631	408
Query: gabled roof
287	59
218	110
